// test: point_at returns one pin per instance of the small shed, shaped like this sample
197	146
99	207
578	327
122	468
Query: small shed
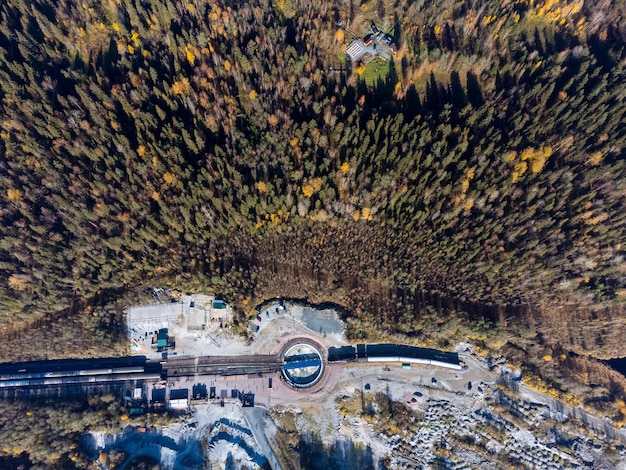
219	304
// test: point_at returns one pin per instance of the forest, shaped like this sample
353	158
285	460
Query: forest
478	184
235	146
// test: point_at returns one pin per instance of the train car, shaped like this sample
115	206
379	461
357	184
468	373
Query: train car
22	376
14	383
341	354
409	354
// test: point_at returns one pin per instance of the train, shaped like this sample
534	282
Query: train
394	353
78	380
39	375
77	371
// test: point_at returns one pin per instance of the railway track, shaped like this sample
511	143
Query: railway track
222	365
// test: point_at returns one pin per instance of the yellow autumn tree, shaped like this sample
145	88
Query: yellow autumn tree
14	194
595	158
189	54
181	87
366	213
18	282
311	186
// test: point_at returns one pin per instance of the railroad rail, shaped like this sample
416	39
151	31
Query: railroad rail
221	365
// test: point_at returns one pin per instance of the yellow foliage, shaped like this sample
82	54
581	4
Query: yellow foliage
356	216
273	120
181	87
536	157
252	95
366	213
131	49
141	150
345	166
124	417
596	158
155	195
227	65
361	100
116	27
311	187
438	31
14	194
510	156
547	358
18	282
261	186
339	35
360	69
168	177
190	57
397	90
470	173
469	203
294	142
597	219
519	170
464	186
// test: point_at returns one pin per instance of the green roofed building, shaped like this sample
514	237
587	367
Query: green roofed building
162	338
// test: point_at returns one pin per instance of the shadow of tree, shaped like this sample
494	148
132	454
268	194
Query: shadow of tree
343	454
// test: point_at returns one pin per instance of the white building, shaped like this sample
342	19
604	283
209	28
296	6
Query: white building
355	50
